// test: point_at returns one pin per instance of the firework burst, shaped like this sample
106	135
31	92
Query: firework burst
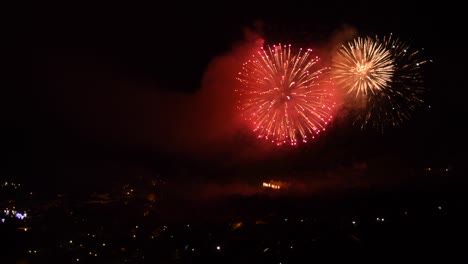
385	78
362	66
285	94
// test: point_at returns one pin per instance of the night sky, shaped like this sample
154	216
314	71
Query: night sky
118	91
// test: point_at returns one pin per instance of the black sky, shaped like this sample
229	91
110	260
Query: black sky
109	84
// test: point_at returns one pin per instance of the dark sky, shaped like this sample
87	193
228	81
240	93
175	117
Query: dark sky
117	88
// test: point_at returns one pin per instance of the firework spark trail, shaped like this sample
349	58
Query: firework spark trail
285	95
389	70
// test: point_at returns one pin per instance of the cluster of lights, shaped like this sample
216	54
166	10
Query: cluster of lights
13	213
12	184
272	186
128	190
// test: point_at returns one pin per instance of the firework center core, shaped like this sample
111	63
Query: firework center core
362	68
285	96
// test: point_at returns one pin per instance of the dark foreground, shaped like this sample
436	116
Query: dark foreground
405	225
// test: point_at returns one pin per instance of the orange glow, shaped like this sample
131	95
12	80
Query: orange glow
236	225
270	185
